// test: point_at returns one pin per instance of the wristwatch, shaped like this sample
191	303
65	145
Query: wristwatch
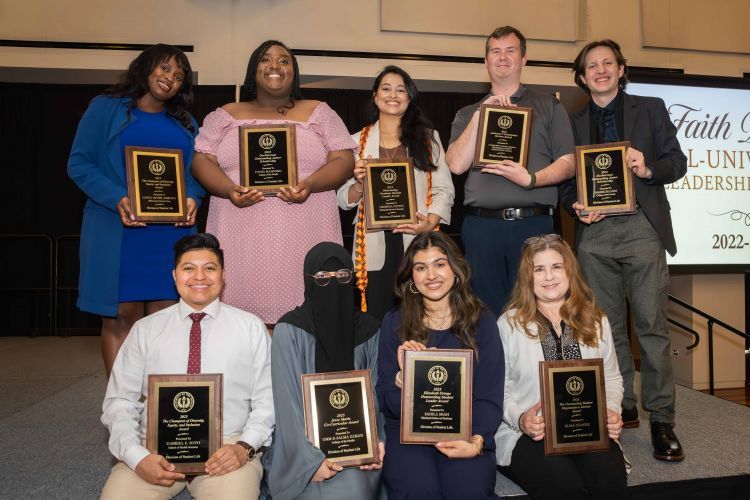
250	450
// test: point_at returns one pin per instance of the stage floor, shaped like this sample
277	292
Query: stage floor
54	446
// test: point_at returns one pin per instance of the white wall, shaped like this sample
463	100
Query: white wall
225	31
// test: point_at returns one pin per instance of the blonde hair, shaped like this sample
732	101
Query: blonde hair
579	310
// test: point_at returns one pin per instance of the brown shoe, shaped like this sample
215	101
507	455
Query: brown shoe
630	418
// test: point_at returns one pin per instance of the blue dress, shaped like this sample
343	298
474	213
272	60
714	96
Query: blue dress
146	256
96	166
412	471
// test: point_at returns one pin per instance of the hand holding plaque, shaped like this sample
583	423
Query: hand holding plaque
436	396
185	419
604	182
156	184
503	134
573	406
340	416
389	194
268	157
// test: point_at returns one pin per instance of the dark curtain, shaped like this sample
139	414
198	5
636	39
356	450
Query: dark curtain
207	99
40	203
37	126
43	208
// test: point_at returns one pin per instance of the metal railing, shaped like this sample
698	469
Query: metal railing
710	320
28	282
60	287
50	282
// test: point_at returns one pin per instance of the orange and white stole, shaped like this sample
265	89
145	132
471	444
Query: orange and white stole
360	247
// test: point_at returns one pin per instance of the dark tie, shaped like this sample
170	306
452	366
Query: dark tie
194	357
609	129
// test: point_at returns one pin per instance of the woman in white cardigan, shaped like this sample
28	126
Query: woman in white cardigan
552	315
397	130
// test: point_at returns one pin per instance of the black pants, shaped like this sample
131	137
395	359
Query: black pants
493	249
592	475
380	284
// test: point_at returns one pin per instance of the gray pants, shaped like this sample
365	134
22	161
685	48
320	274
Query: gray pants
623	257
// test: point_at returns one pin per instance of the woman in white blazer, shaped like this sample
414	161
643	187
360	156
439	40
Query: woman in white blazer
552	315
397	129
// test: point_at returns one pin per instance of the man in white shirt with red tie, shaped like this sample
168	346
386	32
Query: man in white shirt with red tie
199	334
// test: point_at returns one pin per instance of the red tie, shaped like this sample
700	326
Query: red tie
194	358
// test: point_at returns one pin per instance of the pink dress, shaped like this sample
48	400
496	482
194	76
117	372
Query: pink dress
265	244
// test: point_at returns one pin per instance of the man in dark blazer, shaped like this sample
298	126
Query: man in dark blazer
624	256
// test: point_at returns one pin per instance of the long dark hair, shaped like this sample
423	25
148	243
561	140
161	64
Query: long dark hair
250	87
466	308
134	81
416	129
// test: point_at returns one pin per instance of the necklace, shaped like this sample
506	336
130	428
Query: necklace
438	322
556	325
387	149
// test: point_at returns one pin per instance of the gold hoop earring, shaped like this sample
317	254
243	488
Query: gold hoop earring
412	288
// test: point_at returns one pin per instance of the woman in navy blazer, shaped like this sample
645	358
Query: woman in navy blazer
125	265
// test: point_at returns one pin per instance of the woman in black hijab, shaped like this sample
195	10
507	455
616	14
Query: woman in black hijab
324	334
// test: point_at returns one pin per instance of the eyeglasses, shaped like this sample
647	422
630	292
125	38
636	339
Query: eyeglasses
322	278
547	238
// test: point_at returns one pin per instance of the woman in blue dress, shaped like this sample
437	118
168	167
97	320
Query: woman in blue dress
439	310
125	265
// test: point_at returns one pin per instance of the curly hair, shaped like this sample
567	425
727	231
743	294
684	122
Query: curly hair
415	129
134	81
466	308
250	86
579	310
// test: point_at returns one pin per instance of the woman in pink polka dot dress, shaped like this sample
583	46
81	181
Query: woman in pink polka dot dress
266	238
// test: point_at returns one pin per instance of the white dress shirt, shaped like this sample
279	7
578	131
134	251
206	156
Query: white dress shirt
233	342
522	391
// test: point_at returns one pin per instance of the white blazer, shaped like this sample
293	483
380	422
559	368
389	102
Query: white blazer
522	357
442	195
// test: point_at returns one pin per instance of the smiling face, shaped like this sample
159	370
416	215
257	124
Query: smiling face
551	283
275	72
433	275
165	80
198	277
391	96
504	61
602	73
